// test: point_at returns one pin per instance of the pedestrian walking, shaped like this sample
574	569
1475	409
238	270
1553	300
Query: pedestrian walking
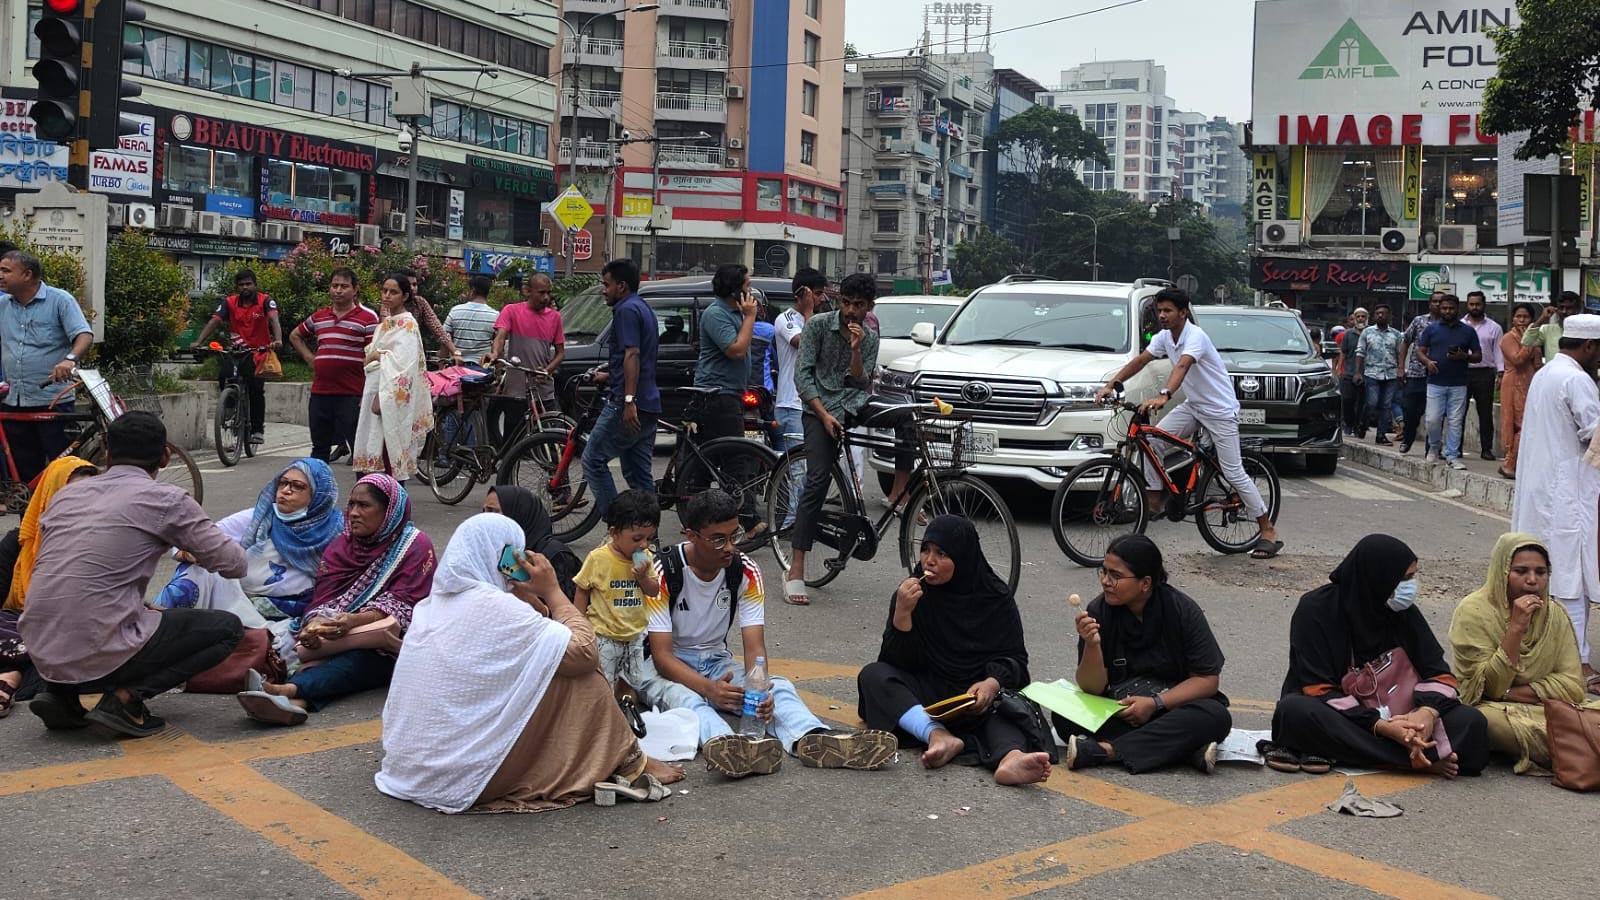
43	334
1414	377
1558	474
1521	363
340	332
1350	392
1446	348
1484	375
252	318
1377	367
396	408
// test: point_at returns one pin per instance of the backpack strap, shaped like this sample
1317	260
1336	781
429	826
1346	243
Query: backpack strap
672	566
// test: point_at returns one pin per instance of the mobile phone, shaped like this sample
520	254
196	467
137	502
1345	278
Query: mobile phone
511	564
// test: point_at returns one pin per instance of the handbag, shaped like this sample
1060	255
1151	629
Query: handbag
1389	683
1138	686
268	367
1027	715
383	634
232	675
1574	735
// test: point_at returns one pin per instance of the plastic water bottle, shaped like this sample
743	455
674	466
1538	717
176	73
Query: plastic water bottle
756	688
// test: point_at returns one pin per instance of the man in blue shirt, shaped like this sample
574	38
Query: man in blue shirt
627	425
727	328
42	333
1446	348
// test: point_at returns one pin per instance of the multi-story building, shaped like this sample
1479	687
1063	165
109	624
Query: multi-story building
1125	102
260	128
1230	169
913	129
726	111
1014	94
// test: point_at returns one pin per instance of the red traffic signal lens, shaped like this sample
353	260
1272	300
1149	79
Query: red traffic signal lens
64	7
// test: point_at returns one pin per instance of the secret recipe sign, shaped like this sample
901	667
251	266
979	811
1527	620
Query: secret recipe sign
1284	275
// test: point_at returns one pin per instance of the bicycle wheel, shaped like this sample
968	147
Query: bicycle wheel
180	470
456	469
1222	519
969	498
437	462
245	423
739	466
783	499
227	428
1098	501
540	464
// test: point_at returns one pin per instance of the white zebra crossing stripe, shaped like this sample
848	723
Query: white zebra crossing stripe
1360	490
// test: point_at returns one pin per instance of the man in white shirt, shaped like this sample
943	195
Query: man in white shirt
1210	404
470	324
809	286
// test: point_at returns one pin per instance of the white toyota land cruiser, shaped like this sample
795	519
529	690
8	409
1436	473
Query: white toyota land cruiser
1024	357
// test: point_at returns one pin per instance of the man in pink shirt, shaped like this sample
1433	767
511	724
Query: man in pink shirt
532	332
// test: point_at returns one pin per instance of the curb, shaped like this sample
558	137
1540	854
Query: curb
1488	492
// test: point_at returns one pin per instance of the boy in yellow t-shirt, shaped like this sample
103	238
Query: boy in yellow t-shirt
614	582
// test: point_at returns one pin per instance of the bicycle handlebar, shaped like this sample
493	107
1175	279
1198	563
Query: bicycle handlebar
538	374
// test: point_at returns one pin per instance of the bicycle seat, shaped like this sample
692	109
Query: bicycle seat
699	392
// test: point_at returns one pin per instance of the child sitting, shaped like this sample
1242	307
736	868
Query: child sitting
614	582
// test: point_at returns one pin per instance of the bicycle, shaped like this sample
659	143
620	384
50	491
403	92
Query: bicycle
89	442
550	465
231	423
939	485
1104	498
458	455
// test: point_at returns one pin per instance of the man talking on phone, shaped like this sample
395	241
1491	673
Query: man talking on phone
726	329
1446	348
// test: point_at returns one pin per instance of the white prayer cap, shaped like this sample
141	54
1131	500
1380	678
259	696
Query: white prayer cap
1582	327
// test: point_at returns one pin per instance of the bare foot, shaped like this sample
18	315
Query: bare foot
1447	767
665	772
1022	768
942	747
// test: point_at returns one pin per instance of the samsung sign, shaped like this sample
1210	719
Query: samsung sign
1354	72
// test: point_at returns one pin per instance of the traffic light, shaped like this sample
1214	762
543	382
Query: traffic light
58	72
109	86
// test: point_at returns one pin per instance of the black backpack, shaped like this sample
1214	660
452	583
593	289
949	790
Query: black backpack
672	566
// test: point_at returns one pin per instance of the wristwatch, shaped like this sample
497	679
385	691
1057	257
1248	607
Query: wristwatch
72	357
1164	392
628	399
1161	705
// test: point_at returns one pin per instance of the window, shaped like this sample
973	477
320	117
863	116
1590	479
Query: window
888	262
231	72
808	99
199	65
1130	147
234	174
1353	194
1134	111
808	148
187	169
922	223
1130	182
813	49
812	9
888	221
890	174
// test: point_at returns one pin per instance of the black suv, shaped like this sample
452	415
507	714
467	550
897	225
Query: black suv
677	303
1288	396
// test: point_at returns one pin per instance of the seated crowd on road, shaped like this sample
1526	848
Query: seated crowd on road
516	669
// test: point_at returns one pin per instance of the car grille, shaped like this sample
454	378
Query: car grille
1271	388
1013	401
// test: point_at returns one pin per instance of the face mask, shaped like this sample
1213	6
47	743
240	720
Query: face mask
289	517
1404	596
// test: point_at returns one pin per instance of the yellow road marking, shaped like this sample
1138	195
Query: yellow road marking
1374	876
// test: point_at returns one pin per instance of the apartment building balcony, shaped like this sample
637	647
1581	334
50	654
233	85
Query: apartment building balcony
960	91
696	9
907	146
887	237
592	154
692	107
592	51
674	157
691	55
593	7
599	104
889	107
888	193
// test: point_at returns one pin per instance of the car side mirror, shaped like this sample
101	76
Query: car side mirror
924	333
1330	353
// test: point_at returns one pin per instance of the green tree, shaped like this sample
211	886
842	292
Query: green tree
983	259
1043	145
1546	73
147	303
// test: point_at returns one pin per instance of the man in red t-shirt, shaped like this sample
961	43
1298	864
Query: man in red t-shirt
532	332
253	320
341	333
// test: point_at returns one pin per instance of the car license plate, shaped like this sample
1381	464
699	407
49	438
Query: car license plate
1252	417
984	442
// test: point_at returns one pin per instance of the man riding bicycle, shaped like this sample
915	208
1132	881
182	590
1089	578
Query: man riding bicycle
252	317
1211	404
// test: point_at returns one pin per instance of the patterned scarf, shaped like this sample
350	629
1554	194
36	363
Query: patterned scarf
301	542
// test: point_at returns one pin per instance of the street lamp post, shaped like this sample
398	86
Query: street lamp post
944	208
1095	252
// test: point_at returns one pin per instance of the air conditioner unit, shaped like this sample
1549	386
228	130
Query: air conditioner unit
1400	240
180	218
733	162
240	228
735	144
141	215
272	231
794	191
208	223
396	221
368	236
294	234
116	215
874	98
1278	233
735	92
1458	238
883	145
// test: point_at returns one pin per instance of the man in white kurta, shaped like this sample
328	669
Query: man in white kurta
1558	493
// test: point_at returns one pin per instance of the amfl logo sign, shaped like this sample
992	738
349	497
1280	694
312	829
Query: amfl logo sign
1350	54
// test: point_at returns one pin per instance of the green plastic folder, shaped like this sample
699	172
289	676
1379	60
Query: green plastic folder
1071	702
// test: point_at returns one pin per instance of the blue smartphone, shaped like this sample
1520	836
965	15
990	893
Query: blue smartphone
511	564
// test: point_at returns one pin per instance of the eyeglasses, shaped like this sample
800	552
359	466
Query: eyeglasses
296	487
720	541
1113	577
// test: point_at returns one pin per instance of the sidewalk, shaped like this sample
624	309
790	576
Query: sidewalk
1479	484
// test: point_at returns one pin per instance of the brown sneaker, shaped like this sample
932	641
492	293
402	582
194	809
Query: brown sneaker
862	750
736	756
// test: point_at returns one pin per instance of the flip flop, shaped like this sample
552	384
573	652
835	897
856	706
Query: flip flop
794	593
1265	549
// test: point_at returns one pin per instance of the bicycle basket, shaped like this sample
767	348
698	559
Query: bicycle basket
948	442
99	390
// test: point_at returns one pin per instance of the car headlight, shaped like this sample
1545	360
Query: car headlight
894	385
1072	396
1316	384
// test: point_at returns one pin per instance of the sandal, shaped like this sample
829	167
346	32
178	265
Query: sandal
1315	765
1592	683
8	693
644	789
1280	758
1265	549
794	593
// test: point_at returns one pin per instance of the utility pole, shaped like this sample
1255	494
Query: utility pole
414	123
655	197
572	156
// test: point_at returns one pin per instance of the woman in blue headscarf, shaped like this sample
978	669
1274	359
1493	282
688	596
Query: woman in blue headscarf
284	536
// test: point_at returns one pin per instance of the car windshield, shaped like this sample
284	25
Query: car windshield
896	319
1254	334
1043	320
585	315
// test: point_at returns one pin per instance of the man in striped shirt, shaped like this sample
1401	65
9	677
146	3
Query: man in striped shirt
471	324
341	332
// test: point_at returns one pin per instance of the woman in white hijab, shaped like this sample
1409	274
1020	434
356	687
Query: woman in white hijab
497	703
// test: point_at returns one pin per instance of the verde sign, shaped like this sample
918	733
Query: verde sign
1532	285
1349	54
